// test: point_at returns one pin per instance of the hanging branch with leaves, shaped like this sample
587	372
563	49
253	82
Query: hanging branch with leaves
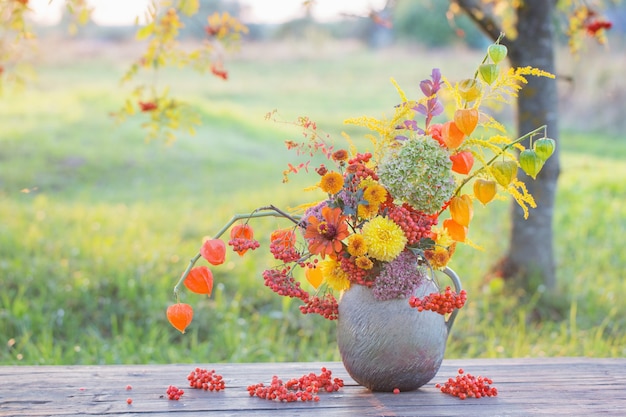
167	114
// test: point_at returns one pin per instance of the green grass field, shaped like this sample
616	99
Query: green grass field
90	254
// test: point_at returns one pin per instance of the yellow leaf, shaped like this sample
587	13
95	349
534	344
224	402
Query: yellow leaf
189	7
129	108
314	276
145	32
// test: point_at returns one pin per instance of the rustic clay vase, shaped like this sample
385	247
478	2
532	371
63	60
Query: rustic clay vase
386	345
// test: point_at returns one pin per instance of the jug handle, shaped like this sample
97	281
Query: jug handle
457	287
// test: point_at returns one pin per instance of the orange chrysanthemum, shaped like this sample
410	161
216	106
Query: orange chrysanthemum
366	211
356	245
363	262
325	236
331	182
375	194
340	155
437	257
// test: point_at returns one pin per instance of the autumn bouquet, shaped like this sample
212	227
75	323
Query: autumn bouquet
393	214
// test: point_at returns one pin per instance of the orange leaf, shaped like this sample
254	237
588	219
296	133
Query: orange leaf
180	315
200	280
214	251
462	162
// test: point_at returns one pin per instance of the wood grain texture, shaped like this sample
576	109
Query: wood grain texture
527	387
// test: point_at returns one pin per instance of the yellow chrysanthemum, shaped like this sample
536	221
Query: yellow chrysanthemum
375	194
367	211
366	182
334	276
385	239
331	182
363	262
356	245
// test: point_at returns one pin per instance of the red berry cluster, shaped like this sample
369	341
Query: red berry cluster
326	306
442	303
173	393
304	388
241	244
467	385
206	380
596	25
356	166
282	283
284	252
415	224
356	274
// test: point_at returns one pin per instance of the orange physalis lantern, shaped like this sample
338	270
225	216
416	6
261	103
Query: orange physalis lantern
469	89
484	190
283	237
455	230
180	315
241	232
314	276
461	209
462	162
214	251
200	280
466	120
452	136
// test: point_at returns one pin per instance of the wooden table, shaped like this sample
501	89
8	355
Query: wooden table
527	387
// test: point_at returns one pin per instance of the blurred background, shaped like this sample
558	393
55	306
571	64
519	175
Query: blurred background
97	223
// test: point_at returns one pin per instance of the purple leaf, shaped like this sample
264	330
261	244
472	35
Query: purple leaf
410	124
436	109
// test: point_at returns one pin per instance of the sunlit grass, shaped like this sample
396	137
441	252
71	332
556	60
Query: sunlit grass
98	225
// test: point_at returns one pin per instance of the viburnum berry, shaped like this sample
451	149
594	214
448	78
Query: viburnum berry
282	283
241	245
242	239
466	385
206	380
326	306
129	401
442	303
282	245
304	388
174	393
415	224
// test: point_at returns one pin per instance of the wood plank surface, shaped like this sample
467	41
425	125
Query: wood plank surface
526	387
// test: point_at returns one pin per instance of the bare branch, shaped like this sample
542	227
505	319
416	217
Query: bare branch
485	21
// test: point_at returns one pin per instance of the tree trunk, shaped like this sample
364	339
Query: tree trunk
530	258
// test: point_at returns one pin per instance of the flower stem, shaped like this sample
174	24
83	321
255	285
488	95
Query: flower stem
487	54
266	211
